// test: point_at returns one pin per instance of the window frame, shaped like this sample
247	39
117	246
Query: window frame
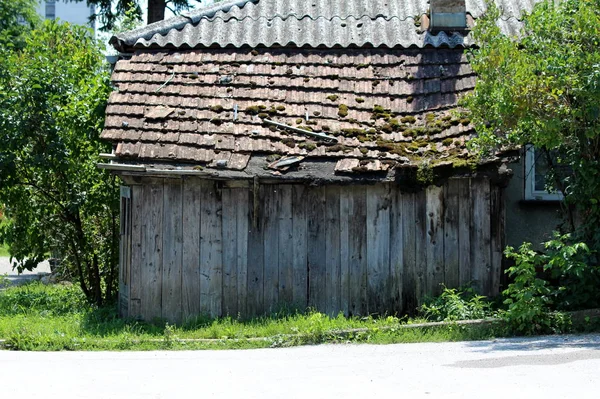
531	194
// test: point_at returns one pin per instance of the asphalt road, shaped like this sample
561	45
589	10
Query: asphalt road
542	367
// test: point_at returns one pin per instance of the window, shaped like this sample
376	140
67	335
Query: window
536	171
50	9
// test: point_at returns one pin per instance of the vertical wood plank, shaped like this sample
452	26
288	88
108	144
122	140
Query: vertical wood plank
465	225
332	249
316	249
435	240
135	284
255	298
497	237
300	247
357	249
396	251
420	246
242	199
345	195
191	249
152	252
451	234
481	236
409	254
378	247
286	245
229	231
271	247
211	252
172	251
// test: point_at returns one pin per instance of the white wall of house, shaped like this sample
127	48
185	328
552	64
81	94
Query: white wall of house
75	13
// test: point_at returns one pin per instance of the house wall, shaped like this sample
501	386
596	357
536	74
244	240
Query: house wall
208	247
528	221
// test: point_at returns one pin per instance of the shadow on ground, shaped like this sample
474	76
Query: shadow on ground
536	343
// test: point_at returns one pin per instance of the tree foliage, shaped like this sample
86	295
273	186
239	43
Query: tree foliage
543	87
109	11
16	18
53	95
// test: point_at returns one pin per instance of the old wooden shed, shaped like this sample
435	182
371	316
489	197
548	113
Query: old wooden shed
308	154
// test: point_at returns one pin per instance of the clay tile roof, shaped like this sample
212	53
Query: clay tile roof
351	110
381	108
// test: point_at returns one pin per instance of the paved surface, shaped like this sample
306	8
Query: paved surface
544	367
16	278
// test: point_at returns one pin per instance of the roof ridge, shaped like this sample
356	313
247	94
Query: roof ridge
294	15
121	40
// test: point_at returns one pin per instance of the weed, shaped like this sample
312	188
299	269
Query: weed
456	304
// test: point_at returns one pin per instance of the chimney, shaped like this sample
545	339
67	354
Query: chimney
447	15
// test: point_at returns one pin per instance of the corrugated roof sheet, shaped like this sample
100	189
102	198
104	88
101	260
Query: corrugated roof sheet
314	23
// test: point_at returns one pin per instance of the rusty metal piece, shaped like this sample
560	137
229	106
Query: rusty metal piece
321	136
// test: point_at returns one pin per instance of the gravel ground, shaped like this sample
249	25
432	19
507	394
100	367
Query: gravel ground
16	278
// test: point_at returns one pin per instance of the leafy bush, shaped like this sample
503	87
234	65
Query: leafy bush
456	304
571	283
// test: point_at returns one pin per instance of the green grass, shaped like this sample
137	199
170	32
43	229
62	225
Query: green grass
39	317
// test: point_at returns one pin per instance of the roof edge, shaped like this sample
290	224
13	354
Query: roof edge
125	41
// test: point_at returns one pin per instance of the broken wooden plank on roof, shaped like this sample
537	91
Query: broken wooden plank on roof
283	164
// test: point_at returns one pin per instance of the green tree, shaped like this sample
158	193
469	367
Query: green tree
16	18
53	95
109	11
543	87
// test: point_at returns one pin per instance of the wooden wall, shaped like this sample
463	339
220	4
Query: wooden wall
201	247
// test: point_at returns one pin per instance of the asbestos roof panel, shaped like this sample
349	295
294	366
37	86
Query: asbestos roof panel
328	23
304	32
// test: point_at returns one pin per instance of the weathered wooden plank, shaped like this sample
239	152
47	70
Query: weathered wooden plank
317	289
191	249
172	251
152	252
242	199
435	240
125	252
229	231
211	251
357	249
286	245
420	246
497	237
481	236
332	249
271	248
378	247
465	225
345	250
135	288
396	251
409	275
451	242
255	298
300	247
